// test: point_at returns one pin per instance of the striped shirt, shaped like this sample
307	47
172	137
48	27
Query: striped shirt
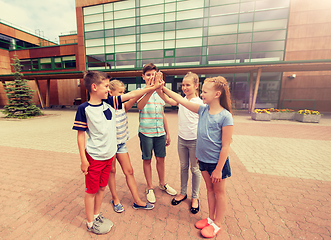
122	127
151	117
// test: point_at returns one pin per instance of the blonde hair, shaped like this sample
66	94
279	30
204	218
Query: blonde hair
195	79
114	84
220	84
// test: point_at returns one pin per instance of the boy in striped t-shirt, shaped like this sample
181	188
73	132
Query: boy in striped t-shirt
153	133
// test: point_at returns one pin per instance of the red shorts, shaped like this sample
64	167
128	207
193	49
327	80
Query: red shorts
98	174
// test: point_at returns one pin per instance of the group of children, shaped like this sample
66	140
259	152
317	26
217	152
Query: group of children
204	136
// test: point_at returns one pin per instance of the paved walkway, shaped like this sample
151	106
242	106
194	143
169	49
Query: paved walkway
280	188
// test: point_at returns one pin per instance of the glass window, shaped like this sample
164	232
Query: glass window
93	26
69	62
272	14
92	10
124	31
170	26
35	64
151	36
226	29
57	62
169	53
151	45
93	58
169	35
94	42
109	24
195	32
93	18
245	27
95	34
110	49
244	37
124	5
267	56
242	57
270	25
268	46
223	20
151	10
110	57
268	4
180	52
222	49
149	2
218	2
192	42
219	59
45	60
152	28
170	7
246	17
247	7
95	50
108	7
152	54
125	48
108	16
125	22
195	13
189	4
151	19
170	17
224	9
244	47
187	61
269	35
169	44
125	39
222	39
124	13
195	23
125	56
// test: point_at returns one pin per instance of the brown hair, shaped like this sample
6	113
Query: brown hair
220	84
113	84
95	77
195	79
148	67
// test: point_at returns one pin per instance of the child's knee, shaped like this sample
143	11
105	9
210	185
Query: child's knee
128	172
102	189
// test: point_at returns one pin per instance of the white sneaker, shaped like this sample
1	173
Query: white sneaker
150	195
168	189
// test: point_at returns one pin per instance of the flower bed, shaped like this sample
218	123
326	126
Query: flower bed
261	115
281	114
309	116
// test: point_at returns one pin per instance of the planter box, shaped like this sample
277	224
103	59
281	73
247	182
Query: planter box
307	118
261	116
283	115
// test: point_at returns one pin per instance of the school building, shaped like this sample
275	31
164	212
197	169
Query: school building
273	53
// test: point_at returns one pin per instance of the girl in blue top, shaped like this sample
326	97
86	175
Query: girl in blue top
214	136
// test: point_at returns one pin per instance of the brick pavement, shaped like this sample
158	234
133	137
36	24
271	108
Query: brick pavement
280	188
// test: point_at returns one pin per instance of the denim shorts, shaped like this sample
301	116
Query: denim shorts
148	144
210	167
121	148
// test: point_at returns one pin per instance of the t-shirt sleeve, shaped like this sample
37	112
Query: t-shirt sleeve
80	119
115	102
228	119
201	108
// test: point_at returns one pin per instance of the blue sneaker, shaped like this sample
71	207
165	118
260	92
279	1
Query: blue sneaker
118	207
148	206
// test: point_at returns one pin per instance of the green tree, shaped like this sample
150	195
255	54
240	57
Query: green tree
19	96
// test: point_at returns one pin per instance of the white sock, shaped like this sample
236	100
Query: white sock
210	221
95	216
89	224
216	228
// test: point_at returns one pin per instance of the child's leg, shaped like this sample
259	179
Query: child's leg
98	200
210	194
221	202
124	160
148	173
160	170
89	206
112	183
183	154
196	174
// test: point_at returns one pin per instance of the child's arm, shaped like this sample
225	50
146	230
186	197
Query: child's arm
227	131
143	101
81	147
166	129
128	105
140	92
166	98
194	107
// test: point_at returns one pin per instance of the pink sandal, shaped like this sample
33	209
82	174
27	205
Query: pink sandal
210	231
203	223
